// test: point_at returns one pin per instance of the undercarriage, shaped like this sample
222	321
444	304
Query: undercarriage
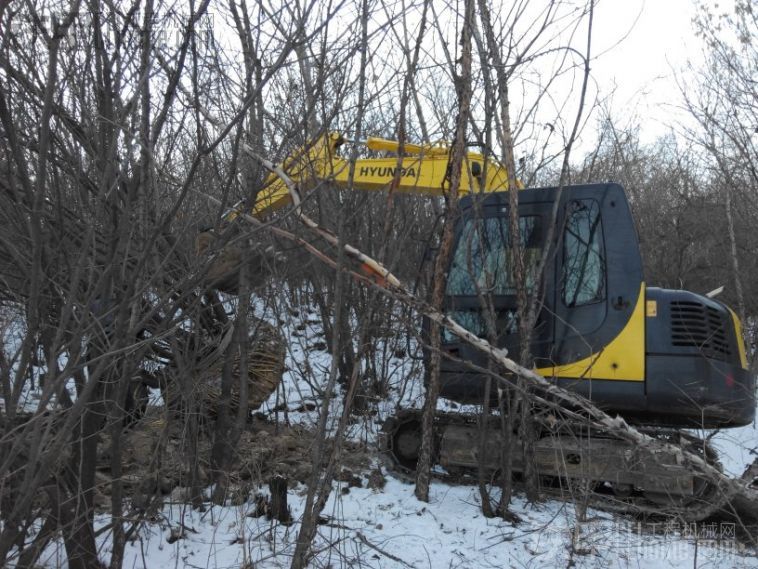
613	474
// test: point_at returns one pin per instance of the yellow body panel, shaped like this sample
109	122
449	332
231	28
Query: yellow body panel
622	359
423	170
740	338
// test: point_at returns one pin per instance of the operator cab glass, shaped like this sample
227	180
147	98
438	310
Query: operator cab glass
583	273
483	268
483	260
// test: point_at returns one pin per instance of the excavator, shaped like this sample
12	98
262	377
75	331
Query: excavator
664	360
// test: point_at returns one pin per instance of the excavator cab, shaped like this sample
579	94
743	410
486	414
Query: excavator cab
658	356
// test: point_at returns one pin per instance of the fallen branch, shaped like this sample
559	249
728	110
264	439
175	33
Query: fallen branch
394	558
389	284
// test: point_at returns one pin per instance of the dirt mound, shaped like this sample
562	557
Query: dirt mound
158	458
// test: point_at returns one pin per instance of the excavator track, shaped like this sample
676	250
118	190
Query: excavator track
619	477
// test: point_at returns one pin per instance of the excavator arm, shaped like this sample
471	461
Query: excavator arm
423	170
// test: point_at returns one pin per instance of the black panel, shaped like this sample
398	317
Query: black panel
693	362
696	392
615	397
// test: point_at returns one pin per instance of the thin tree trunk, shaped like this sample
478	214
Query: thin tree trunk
78	509
423	467
308	524
484	420
243	339
116	427
317	495
508	402
734	258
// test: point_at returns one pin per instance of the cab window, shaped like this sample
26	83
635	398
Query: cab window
483	258
584	272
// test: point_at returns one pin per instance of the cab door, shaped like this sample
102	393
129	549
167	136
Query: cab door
598	271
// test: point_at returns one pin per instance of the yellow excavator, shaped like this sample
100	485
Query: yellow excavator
664	360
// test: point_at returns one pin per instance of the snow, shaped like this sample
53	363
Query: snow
390	528
737	448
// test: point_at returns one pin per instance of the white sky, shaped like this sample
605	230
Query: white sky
641	46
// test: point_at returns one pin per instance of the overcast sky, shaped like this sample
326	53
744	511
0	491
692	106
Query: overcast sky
641	45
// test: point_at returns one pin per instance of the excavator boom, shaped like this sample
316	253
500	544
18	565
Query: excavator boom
422	169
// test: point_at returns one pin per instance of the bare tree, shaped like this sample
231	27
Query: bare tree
457	171
96	253
724	107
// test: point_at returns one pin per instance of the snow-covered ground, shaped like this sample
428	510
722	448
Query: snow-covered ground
737	448
390	528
